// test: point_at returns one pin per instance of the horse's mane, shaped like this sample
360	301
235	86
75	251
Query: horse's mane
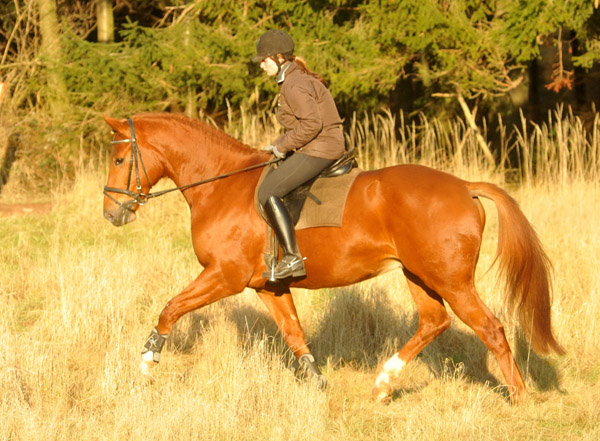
203	130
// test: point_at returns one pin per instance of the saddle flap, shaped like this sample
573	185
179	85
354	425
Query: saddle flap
323	198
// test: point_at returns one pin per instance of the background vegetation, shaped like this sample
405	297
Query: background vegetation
80	296
64	63
493	90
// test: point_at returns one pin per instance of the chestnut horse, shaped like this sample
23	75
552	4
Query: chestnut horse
426	222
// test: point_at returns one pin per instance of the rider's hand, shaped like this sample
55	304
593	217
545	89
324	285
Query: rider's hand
273	149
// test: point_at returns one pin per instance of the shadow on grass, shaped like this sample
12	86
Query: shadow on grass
538	369
361	329
364	330
252	326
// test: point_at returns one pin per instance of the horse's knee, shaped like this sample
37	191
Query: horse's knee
167	315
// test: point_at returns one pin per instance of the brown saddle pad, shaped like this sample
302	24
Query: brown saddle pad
331	194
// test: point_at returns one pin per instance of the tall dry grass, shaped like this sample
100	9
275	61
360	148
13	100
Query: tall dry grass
562	149
80	297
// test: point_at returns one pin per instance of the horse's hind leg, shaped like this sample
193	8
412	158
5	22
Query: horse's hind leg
470	309
433	320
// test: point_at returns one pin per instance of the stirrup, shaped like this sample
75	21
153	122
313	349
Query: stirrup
290	265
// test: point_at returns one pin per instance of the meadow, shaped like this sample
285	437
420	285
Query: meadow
80	296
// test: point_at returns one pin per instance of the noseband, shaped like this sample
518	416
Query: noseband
140	198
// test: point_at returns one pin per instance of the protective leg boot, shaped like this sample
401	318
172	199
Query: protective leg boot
292	263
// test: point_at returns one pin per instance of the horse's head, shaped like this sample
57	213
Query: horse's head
134	168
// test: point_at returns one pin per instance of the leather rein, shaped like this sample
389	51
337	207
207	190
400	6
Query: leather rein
136	162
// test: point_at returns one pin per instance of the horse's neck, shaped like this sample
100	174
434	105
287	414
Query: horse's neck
194	157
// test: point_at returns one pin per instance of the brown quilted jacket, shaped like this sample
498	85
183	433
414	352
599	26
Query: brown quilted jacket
307	111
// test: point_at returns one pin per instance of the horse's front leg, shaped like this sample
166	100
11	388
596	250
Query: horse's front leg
208	287
282	309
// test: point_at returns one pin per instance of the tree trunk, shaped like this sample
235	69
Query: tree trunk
51	53
191	106
105	21
14	141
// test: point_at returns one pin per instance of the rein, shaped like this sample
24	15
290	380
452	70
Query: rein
140	198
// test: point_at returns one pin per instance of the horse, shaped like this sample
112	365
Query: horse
424	222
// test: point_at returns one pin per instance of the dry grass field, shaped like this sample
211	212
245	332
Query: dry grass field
79	298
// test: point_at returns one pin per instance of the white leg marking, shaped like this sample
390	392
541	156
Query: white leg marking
147	363
391	369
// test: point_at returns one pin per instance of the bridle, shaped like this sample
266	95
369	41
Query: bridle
138	197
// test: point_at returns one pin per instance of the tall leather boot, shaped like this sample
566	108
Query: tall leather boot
292	263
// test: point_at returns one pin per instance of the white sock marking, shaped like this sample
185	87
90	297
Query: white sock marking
391	369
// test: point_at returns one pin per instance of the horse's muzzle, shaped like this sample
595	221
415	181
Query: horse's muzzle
119	216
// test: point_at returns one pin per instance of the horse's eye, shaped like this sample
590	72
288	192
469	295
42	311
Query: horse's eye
118	161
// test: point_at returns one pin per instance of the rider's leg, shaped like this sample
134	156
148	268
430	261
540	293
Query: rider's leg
292	263
291	173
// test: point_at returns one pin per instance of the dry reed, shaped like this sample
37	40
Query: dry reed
80	296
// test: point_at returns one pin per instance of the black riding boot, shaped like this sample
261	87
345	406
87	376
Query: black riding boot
292	263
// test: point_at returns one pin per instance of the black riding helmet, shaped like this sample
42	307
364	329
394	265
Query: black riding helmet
271	43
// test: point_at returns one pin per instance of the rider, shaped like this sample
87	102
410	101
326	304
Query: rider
313	139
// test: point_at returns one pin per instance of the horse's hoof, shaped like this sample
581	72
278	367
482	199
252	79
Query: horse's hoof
517	396
383	394
321	382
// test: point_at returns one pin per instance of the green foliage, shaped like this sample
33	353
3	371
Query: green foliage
453	46
176	54
530	23
477	47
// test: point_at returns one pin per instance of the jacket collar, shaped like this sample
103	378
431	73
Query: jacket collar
286	69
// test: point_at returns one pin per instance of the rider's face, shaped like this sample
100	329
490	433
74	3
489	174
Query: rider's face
269	66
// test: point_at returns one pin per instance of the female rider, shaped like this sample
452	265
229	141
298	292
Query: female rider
312	141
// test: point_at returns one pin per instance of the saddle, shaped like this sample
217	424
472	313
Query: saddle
296	200
346	169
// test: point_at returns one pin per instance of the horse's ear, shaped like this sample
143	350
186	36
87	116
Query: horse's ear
118	125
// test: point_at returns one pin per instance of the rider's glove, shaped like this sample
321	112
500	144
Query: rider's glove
273	149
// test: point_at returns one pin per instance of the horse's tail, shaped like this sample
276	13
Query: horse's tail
525	267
